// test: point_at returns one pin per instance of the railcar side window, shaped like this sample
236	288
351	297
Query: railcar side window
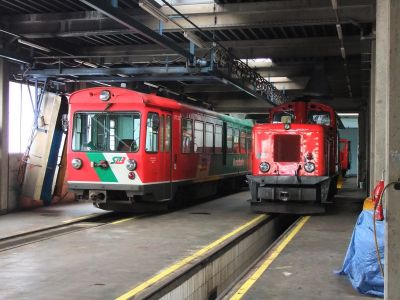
187	136
198	136
229	140
152	128
161	131
106	131
218	139
242	142
236	141
249	142
209	138
168	134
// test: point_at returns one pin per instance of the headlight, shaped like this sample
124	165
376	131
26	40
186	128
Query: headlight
309	167
76	163
131	164
105	95
264	167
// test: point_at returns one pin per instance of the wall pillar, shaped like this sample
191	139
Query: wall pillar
392	246
4	91
381	88
371	108
362	147
387	133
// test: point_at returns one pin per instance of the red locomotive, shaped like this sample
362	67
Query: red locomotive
344	156
295	159
127	148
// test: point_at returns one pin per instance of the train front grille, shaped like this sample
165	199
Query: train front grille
286	148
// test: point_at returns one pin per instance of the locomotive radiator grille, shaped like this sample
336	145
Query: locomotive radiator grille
286	148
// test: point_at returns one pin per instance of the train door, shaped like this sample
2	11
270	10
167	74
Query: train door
166	151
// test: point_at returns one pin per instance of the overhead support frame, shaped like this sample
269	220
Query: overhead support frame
220	65
223	70
13	57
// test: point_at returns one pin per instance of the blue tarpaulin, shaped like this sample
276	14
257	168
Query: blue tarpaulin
361	262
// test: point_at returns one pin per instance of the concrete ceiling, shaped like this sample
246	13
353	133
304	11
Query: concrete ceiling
121	42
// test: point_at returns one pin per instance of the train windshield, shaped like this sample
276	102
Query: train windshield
106	131
319	117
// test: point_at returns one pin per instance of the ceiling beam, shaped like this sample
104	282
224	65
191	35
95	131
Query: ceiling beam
228	16
127	21
275	48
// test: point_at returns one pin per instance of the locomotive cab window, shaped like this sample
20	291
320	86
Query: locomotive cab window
152	129
319	117
283	117
108	131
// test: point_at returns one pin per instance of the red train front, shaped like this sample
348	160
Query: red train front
294	159
127	148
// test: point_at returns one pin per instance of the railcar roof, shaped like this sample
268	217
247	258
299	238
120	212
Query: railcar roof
153	100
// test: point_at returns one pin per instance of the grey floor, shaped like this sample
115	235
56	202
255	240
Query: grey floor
305	269
24	221
105	262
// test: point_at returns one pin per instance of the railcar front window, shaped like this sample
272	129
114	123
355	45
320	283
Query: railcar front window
106	131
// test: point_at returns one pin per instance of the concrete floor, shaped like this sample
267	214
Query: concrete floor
105	262
305	269
43	217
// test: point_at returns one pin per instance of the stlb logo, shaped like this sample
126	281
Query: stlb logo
118	160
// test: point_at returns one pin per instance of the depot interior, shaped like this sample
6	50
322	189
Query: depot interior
222	54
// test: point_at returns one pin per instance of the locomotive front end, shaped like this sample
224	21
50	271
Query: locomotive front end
293	162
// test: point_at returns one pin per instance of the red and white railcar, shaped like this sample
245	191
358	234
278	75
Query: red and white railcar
127	148
295	159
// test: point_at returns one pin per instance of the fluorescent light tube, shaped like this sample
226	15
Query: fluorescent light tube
154	11
33	45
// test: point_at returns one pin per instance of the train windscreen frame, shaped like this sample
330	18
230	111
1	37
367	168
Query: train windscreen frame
106	132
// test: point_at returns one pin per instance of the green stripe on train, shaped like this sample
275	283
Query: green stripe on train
105	175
